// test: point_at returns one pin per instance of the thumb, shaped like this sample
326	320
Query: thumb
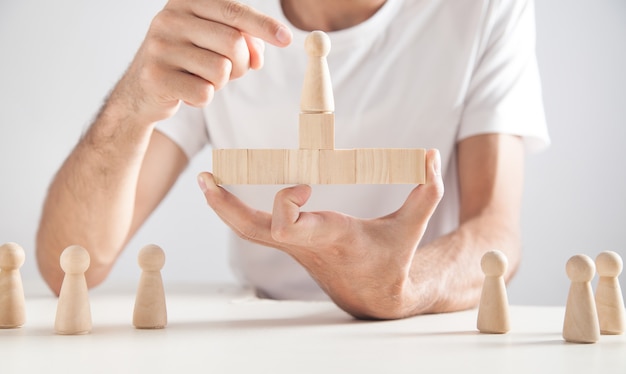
256	47
423	200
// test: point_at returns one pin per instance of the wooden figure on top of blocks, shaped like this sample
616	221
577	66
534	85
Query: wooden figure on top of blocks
317	161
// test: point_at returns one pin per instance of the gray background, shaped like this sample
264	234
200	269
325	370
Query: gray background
59	59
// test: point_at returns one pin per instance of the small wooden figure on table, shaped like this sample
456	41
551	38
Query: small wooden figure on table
73	309
493	311
12	310
609	299
150	310
581	318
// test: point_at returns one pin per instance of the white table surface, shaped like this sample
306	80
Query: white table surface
224	329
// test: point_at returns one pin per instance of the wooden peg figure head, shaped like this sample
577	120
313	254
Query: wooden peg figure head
580	268
11	256
74	260
494	264
609	264
151	258
317	44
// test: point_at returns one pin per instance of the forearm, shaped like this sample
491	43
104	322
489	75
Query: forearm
490	171
446	274
90	201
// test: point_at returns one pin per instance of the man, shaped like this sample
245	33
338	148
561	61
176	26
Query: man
460	77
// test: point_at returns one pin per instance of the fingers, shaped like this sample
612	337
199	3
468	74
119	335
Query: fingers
192	49
286	223
244	18
310	230
423	200
198	46
248	223
256	47
287	228
177	85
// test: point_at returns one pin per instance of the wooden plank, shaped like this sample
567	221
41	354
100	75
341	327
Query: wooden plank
340	166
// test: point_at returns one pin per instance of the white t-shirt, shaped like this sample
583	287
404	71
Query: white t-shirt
417	74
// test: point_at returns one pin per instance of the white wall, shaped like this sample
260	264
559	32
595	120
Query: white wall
59	59
576	191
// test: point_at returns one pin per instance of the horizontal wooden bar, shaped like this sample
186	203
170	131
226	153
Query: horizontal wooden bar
302	166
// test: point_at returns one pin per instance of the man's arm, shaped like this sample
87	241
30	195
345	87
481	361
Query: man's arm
491	169
372	268
121	169
100	197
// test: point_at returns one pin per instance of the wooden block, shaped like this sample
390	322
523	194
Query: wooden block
303	167
317	131
372	166
390	165
267	166
407	165
338	166
230	166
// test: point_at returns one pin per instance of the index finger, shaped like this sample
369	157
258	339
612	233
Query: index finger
244	18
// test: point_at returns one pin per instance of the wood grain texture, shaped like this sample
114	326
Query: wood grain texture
267	166
301	166
12	303
317	131
390	166
338	166
230	166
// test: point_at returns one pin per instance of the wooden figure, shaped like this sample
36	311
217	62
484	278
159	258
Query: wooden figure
12	310
73	310
317	161
581	318
150	309
493	311
317	90
609	299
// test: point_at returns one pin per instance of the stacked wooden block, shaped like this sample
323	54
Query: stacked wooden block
317	161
